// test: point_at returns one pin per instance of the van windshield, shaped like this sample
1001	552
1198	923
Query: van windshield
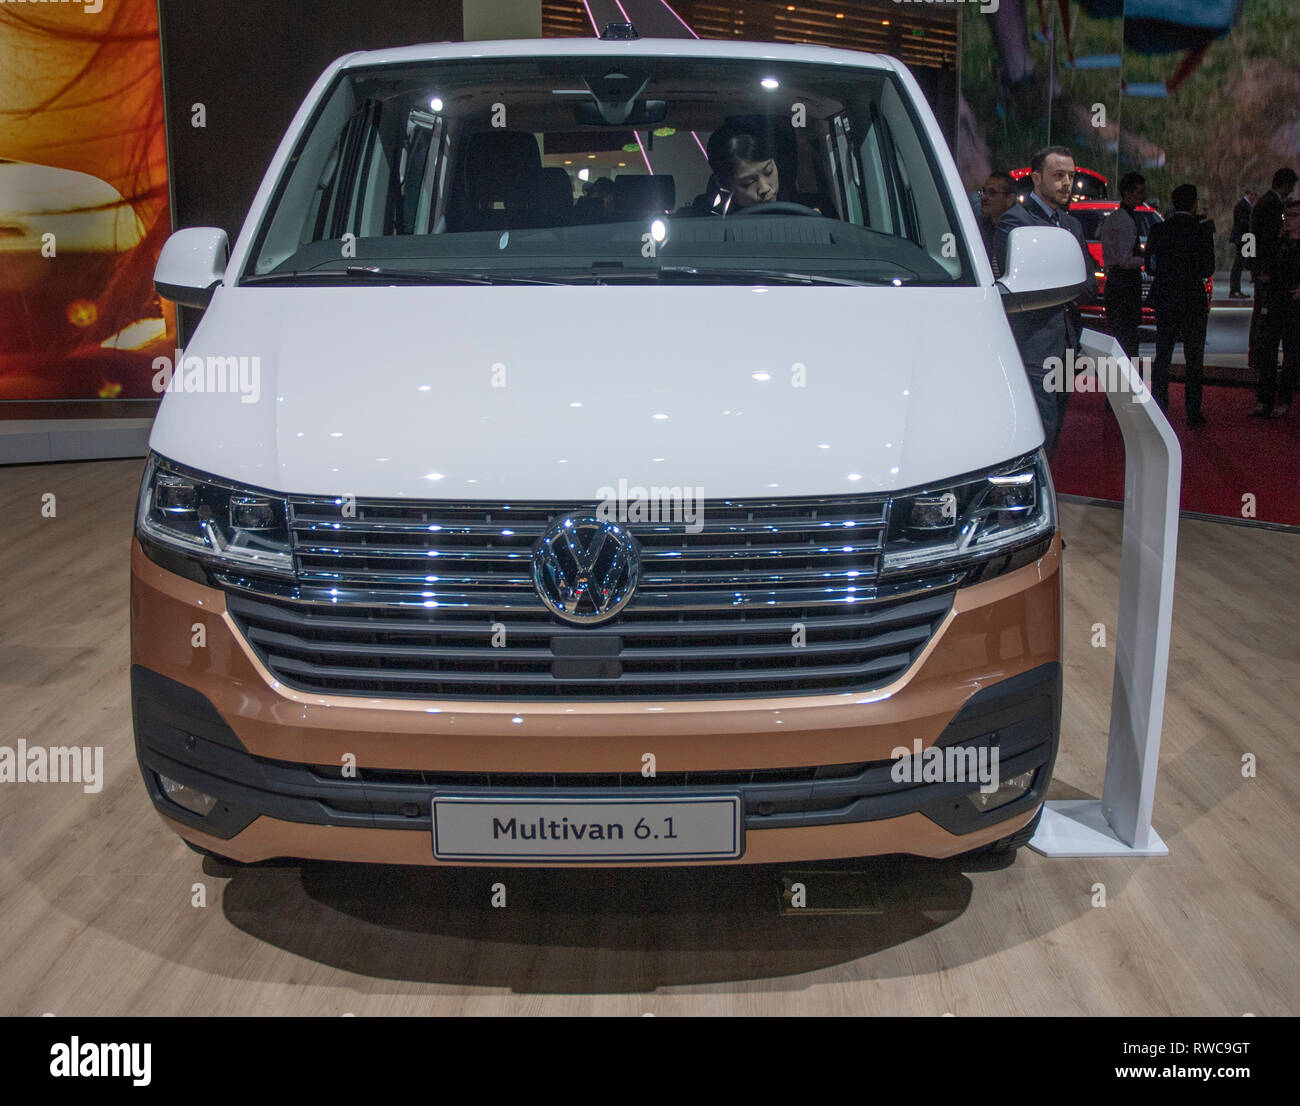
573	169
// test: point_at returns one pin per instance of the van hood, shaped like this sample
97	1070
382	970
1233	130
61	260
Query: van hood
554	393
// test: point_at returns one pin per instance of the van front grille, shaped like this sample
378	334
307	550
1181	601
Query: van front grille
432	600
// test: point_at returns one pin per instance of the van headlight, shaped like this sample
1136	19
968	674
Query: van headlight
188	521
977	519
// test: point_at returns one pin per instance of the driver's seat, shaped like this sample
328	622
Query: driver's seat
703	203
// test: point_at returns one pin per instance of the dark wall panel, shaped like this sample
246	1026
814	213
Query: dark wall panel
250	64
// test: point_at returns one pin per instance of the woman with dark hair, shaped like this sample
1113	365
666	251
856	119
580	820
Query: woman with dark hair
743	158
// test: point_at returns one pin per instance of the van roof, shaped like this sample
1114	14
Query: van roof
594	47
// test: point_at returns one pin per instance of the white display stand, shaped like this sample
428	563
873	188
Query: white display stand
30	441
1119	824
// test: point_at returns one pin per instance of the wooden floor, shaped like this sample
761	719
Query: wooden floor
96	896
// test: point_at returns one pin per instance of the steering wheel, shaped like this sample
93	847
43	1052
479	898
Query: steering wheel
776	207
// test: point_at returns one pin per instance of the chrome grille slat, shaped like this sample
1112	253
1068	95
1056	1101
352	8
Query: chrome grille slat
795	509
412	552
432	554
307	619
360	576
650	532
289	644
400	598
449	529
757	578
524	600
697	581
888	664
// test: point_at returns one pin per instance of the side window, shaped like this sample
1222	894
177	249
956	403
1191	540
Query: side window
418	171
400	163
850	171
396	164
306	210
874	183
323	197
359	143
921	207
896	185
433	193
873	155
836	172
373	200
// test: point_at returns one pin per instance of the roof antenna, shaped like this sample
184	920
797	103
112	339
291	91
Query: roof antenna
619	31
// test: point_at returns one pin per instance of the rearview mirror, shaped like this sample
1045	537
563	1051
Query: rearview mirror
1045	268
591	114
191	265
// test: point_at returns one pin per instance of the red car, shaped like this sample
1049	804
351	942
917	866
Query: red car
1091	213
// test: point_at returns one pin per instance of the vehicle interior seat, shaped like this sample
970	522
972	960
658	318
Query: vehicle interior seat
554	197
498	182
703	203
637	195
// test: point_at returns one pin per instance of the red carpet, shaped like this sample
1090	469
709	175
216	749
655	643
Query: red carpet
1223	461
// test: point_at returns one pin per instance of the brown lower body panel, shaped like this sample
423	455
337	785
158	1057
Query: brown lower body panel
996	629
912	833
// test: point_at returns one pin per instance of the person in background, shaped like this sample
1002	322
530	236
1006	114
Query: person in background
1123	261
1240	225
997	197
597	201
1049	332
1279	319
1265	230
1180	257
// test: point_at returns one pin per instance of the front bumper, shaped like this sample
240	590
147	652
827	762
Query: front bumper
813	772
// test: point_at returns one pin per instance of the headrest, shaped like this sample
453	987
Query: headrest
636	195
554	189
500	165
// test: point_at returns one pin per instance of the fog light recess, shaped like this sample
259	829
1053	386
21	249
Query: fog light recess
1008	791
187	797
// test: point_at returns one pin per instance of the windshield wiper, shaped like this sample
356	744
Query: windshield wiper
784	277
379	273
598	275
775	276
452	276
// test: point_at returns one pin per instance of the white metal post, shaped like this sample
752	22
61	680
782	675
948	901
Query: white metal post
1119	824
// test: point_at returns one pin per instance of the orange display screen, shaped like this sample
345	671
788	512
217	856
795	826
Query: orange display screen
83	201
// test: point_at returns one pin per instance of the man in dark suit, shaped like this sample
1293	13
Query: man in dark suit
1240	225
1265	232
1180	257
1050	331
997	197
1279	319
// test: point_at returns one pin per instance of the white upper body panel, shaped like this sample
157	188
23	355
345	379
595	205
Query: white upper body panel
507	393
391	391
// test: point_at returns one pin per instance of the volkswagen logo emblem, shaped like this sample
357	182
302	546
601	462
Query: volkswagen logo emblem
585	568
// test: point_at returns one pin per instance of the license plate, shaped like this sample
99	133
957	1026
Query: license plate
519	828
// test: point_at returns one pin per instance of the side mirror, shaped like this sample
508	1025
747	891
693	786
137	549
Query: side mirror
1045	268
191	265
